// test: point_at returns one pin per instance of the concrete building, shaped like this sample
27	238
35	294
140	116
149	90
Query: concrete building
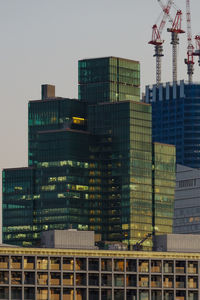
64	274
187	201
92	163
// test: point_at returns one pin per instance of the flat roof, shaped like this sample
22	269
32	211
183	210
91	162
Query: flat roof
98	253
121	101
19	168
54	99
63	130
127	59
171	145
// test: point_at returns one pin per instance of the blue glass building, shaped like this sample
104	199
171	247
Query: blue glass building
176	119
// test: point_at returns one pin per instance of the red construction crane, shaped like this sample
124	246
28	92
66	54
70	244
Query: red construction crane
189	61
175	30
197	51
158	42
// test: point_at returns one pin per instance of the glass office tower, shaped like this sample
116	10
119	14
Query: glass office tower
109	79
136	177
176	119
92	164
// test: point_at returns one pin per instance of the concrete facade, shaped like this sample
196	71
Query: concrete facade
177	243
71	239
43	274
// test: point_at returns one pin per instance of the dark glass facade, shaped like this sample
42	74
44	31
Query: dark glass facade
176	119
93	165
109	79
51	114
18	198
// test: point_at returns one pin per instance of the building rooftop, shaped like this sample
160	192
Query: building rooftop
127	59
98	253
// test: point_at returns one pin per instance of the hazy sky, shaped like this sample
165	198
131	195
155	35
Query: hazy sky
42	41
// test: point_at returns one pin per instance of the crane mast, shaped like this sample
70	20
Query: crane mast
158	42
189	61
175	31
197	51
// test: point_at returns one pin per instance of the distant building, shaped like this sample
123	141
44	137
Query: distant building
176	119
92	163
187	201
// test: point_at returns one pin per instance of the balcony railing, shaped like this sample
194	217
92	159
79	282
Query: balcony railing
69	267
168	270
143	269
192	270
180	284
192	285
42	281
55	281
168	284
156	269
143	283
180	270
3	265
156	284
69	281
55	266
16	265
29	266
56	297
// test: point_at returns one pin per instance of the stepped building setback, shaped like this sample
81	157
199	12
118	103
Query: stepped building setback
92	163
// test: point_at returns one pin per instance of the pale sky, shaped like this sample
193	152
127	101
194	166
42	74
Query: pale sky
42	41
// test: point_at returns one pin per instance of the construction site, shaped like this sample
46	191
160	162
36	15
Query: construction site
176	104
173	15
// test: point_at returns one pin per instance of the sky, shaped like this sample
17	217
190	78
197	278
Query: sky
42	41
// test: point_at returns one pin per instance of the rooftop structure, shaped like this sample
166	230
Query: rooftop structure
177	243
71	239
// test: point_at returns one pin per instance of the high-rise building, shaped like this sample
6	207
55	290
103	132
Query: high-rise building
176	119
92	164
109	79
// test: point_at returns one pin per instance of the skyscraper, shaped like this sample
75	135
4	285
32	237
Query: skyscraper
92	164
109	79
176	119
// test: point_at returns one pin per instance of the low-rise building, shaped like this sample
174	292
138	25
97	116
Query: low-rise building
43	274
